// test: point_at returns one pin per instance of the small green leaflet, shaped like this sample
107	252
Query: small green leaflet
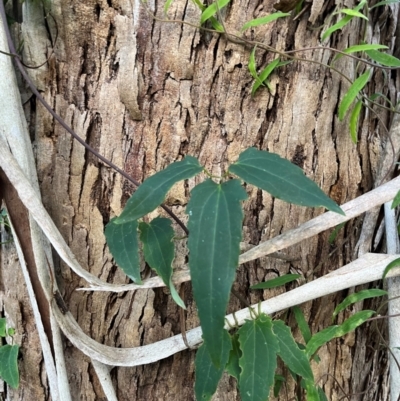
335	232
232	367
396	200
352	93
2	327
122	239
258	362
158	250
383	58
207	375
301	322
356	297
152	192
276	282
8	365
295	358
384	3
265	73
354	121
353	13
390	266
360	48
281	179
215	227
212	9
264	20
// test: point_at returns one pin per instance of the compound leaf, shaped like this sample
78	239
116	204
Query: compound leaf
215	227
352	93
152	192
295	358
8	365
159	250
207	375
122	239
281	179
258	362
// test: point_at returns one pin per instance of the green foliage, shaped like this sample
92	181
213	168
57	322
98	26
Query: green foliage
215	227
158	250
301	322
396	200
264	20
212	9
383	58
8	358
276	282
281	179
390	266
355	114
357	297
233	367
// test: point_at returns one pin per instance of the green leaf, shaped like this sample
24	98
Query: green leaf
339	25
295	358
259	346
335	232
356	297
353	322
383	58
301	322
276	282
152	192
215	227
207	375
2	327
384	3
159	251
321	394
354	121
352	93
253	72
312	391
232	367
8	365
390	266
265	73
212	9
11	331
363	48
321	338
264	20
281	179
278	381
396	200
353	13
167	5
122	239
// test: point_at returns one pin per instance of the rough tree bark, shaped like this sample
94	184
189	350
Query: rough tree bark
145	93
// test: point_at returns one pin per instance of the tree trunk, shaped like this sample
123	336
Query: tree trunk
144	93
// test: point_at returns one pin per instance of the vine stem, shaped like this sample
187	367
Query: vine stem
64	125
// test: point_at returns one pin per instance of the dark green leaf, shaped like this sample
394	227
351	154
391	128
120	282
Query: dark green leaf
259	346
352	93
215	226
391	266
354	121
383	58
322	395
212	9
8	365
253	72
159	250
278	381
207	375
2	327
339	25
295	358
335	232
122	239
152	192
301	322
232	367
396	200
321	338
356	297
276	282
312	391
281	179
264	20
353	322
